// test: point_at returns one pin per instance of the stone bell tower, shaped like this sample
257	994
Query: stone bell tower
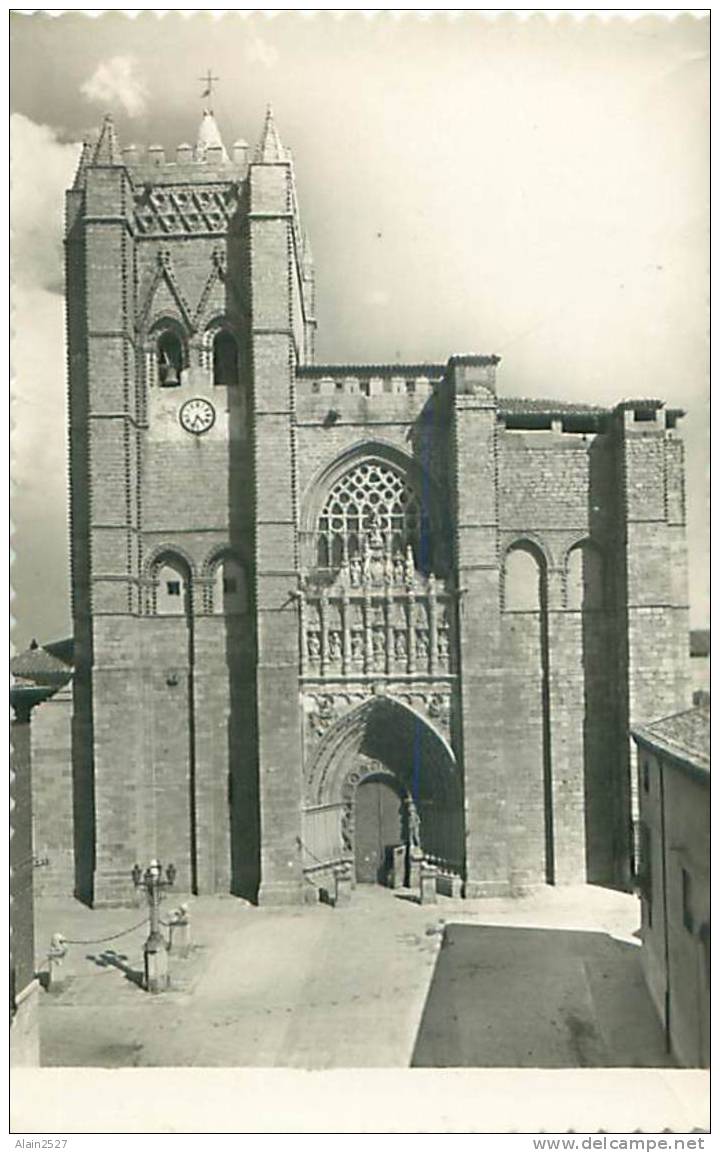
189	305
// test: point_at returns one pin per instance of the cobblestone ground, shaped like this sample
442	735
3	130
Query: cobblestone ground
549	980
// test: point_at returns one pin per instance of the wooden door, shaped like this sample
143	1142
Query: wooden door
378	826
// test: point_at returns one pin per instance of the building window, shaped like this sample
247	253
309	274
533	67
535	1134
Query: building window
585	578
522	581
371	504
170	359
225	359
230	589
171	588
687	901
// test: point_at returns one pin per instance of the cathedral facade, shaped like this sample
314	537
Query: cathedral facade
327	613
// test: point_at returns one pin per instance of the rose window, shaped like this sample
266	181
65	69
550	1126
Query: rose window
371	506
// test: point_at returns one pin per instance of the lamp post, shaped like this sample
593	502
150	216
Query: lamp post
155	949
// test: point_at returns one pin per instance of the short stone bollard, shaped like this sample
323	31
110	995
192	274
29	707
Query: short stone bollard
414	867
428	884
56	952
179	931
397	872
343	884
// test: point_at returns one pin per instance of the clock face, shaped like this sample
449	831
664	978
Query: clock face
197	415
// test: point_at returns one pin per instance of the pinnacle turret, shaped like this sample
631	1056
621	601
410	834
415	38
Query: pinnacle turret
83	163
209	137
107	149
270	150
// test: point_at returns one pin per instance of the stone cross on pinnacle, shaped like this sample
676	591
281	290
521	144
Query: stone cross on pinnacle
208	82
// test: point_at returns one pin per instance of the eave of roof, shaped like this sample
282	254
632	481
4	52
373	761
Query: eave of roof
683	736
431	370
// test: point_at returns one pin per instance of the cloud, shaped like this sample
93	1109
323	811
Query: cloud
258	51
41	169
115	81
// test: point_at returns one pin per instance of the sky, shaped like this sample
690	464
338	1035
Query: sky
535	188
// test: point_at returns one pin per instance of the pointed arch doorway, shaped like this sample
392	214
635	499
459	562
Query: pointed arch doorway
378	827
375	767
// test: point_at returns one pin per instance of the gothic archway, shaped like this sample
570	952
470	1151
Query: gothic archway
384	738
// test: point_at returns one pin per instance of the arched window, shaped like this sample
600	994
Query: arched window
225	359
172	588
170	358
585	578
371	503
230	588
522	581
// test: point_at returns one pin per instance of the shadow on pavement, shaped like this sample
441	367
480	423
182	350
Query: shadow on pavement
538	998
109	957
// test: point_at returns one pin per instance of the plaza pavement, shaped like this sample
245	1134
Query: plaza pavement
549	980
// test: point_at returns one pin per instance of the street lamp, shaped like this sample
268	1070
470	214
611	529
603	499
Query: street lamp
155	948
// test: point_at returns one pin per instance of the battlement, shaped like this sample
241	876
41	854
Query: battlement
207	161
369	379
331	394
188	164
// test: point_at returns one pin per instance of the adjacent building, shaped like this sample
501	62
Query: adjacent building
674	876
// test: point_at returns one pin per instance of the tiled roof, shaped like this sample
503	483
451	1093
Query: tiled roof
40	667
525	404
685	736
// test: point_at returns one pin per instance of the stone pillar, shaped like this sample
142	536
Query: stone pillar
432	625
410	610
277	345
346	644
473	447
367	622
566	703
652	593
104	433
323	608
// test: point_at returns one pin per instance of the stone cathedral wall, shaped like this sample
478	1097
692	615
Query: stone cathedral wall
196	732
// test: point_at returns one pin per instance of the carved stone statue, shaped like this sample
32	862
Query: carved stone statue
356	571
443	645
413	824
313	644
366	564
375	538
323	715
379	646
